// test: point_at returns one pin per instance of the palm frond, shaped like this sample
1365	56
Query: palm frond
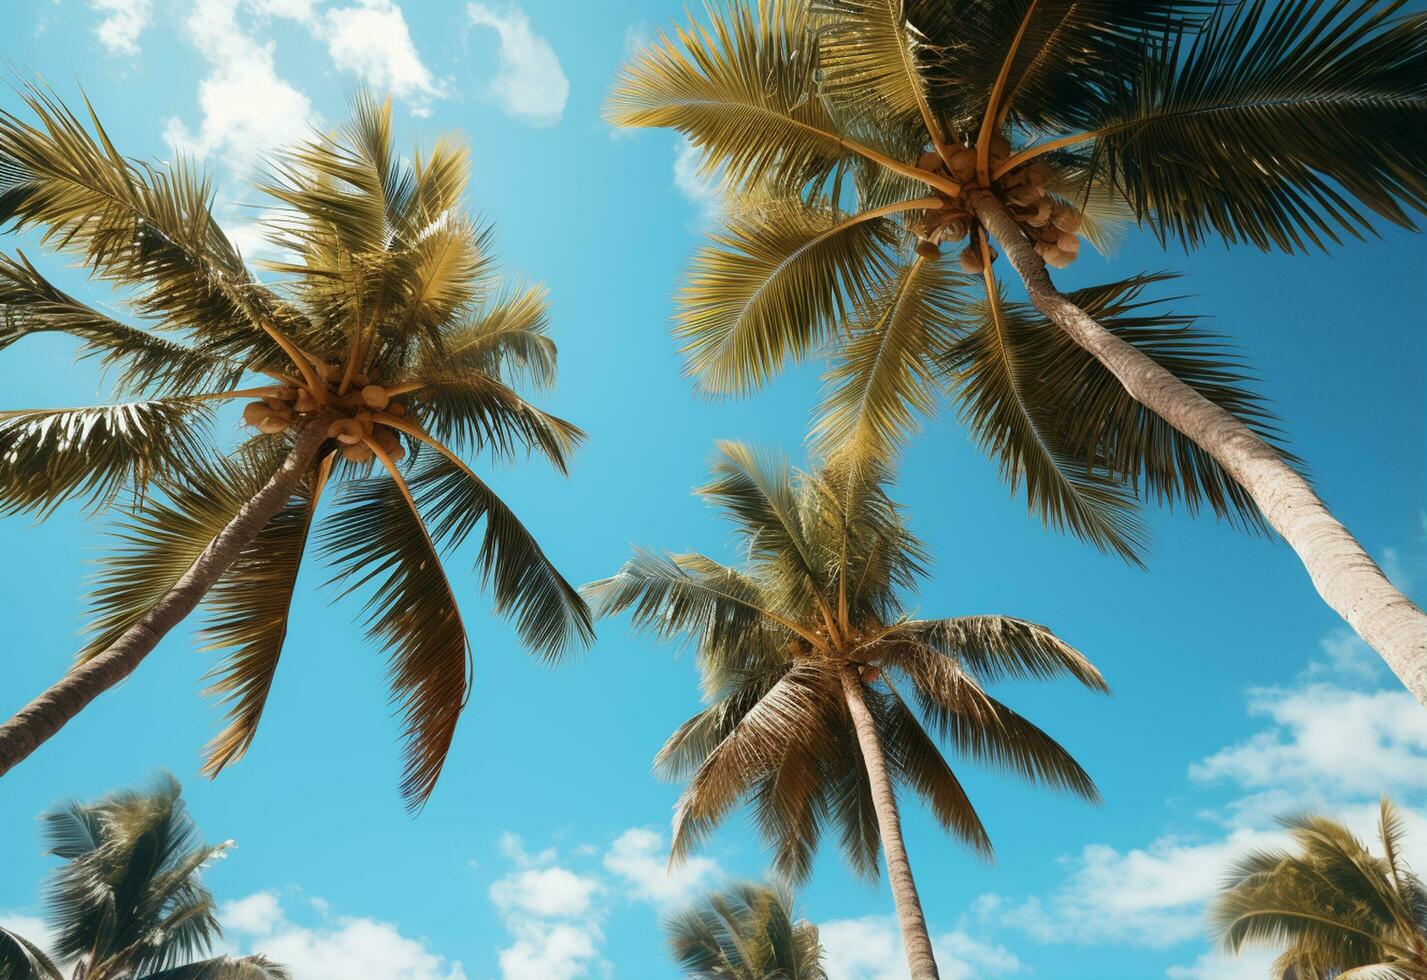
995	373
375	536
743	90
995	648
1279	124
30	304
50	456
505	339
158	541
870	59
248	616
467	410
884	376
21	959
772	284
226	968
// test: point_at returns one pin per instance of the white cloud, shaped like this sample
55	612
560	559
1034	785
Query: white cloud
551	951
336	949
256	915
248	109
701	190
121	23
870	948
529	83
641	858
545	892
371	40
550	913
1252	964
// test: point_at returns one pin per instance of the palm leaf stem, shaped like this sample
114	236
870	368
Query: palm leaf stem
993	114
303	361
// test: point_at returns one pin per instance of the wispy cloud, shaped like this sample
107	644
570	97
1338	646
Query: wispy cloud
529	83
699	188
550	913
336	948
640	859
870	948
120	24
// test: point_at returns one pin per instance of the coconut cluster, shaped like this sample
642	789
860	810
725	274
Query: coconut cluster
1051	226
363	406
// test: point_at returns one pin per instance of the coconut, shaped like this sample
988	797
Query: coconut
275	403
396	408
1058	258
1048	234
255	412
1066	218
1067	242
971	260
288	393
346	431
1000	150
359	453
1041	217
929	160
928	249
375	396
954	230
1039	173
963	165
305	402
360	380
273	424
1024	196
1015	178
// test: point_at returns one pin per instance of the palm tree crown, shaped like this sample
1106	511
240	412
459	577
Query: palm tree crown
746	931
1340	910
820	601
388	349
129	903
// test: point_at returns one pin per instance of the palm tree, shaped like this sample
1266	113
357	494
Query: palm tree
799	650
744	932
1340	910
130	903
855	137
387	331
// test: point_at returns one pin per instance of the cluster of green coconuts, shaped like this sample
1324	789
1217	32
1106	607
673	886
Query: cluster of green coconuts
1050	225
289	405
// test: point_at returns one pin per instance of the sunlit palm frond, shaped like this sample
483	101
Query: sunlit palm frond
743	90
50	456
375	536
156	543
1284	125
248	617
870	59
226	968
472	411
773	283
995	370
30	305
505	339
884	376
745	931
995	648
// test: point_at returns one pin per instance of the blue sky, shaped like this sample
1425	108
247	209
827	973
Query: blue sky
1237	694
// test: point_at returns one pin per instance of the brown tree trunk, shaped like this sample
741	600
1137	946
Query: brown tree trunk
37	721
920	963
1345	576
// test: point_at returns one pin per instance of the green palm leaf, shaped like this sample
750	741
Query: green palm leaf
50	456
871	59
467	410
1223	133
773	284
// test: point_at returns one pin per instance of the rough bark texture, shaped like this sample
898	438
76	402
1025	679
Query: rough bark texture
47	714
920	963
1343	573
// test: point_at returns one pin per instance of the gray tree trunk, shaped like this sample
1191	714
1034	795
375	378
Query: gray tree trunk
921	965
1343	573
37	721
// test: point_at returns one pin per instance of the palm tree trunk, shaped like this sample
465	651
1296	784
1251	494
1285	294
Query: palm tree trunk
1343	573
37	721
920	962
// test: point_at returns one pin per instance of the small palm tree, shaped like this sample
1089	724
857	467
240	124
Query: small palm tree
1342	912
856	138
386	332
746	931
799	650
130	904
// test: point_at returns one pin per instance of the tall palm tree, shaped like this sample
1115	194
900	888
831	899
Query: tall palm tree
1340	910
386	331
856	137
747	931
799	650
130	903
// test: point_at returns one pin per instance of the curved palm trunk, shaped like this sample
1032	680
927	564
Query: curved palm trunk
1343	573
47	714
920	963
